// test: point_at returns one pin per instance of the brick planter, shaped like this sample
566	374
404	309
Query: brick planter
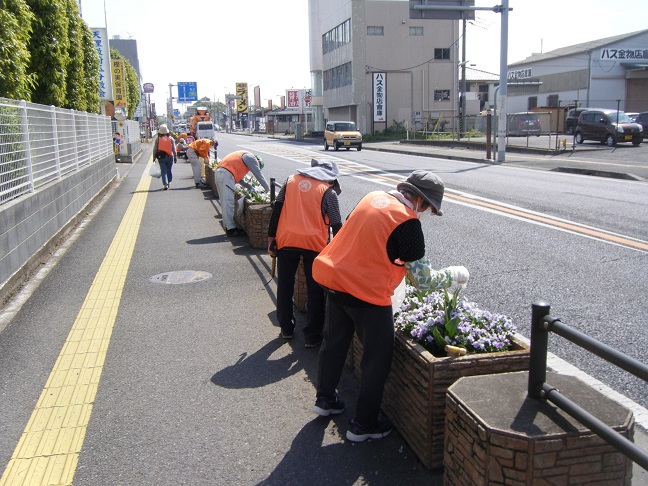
210	179
415	391
495	435
255	220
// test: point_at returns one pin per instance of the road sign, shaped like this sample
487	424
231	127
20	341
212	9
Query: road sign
187	92
149	87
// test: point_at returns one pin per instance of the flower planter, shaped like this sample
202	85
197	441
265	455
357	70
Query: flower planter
415	391
254	219
210	179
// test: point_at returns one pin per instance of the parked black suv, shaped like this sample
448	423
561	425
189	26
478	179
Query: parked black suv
571	120
607	126
642	119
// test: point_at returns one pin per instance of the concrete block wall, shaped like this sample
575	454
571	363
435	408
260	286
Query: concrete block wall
31	225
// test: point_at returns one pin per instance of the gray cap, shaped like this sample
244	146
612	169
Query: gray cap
427	185
326	171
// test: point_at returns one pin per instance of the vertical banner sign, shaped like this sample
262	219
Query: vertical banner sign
100	38
119	86
242	97
379	97
308	96
292	95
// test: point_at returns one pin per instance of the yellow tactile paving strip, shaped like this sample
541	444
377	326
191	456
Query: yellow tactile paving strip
48	450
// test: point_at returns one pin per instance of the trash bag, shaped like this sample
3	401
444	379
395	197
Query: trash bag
155	170
398	297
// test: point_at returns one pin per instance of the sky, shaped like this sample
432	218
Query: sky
217	43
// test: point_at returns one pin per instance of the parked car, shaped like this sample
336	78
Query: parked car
342	134
523	124
571	120
632	115
205	129
642	119
607	126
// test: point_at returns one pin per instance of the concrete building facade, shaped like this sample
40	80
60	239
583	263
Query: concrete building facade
604	73
373	64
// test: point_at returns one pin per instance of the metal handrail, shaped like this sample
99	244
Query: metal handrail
541	324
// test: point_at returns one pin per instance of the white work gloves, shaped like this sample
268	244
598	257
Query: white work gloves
459	274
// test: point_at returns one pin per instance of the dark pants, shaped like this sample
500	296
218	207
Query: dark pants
375	328
166	164
287	264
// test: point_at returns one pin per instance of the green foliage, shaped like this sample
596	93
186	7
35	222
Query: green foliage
49	47
15	19
450	323
396	131
75	92
90	69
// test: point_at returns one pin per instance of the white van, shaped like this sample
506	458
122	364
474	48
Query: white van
205	129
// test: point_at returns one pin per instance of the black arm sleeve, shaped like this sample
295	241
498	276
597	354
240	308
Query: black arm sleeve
406	242
276	212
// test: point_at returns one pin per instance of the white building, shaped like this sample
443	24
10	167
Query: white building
604	73
373	64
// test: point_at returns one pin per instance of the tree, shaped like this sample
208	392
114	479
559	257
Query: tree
75	86
16	20
132	83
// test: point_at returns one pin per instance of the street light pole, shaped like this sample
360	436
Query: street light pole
462	98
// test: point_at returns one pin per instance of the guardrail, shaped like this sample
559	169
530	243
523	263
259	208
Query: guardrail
40	143
542	323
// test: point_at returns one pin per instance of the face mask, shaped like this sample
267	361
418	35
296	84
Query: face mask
423	215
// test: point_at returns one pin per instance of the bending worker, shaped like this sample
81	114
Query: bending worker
379	243
305	208
199	148
229	172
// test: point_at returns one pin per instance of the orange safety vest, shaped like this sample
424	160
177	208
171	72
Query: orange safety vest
234	164
356	260
301	224
201	146
165	145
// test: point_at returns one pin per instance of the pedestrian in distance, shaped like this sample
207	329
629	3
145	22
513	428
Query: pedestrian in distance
304	210
195	151
164	151
380	242
229	172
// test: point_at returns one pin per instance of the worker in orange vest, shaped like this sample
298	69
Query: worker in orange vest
199	149
360	268
164	151
304	210
230	171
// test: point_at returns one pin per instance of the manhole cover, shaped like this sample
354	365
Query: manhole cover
180	277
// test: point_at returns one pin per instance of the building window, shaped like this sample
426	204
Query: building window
416	31
375	30
337	37
337	77
532	103
441	95
552	101
441	54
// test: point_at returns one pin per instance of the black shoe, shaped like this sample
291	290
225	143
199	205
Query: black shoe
286	335
358	433
326	407
233	233
313	344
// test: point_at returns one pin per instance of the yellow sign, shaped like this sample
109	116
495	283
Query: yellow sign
242	97
119	85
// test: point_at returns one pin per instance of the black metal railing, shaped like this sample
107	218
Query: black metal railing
542	323
273	190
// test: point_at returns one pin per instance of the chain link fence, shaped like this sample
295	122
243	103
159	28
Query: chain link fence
39	144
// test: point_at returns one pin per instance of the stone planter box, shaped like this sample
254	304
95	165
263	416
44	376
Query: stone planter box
210	179
254	219
415	391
